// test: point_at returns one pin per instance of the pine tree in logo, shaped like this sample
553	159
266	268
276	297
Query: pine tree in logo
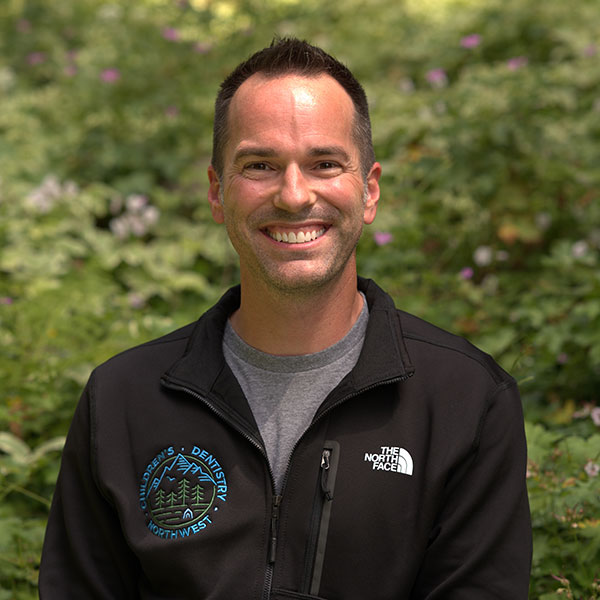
197	495
160	498
171	497
184	486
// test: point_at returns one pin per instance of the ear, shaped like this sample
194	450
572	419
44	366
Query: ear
216	208
372	193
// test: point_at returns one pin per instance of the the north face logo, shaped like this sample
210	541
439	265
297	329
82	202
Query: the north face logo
391	458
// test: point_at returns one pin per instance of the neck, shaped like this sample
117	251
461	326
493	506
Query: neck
294	324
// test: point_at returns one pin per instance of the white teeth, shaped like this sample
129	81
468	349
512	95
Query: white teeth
297	238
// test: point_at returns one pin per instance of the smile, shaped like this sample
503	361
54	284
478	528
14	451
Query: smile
296	237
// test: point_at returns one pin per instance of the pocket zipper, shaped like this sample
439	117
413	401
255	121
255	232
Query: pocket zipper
317	542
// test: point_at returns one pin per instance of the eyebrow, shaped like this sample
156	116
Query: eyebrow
254	151
266	152
330	151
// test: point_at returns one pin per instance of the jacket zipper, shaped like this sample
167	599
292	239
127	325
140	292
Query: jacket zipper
317	541
276	501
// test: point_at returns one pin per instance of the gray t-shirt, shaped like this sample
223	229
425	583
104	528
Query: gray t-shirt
285	392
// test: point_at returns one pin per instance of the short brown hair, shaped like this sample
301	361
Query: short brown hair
293	56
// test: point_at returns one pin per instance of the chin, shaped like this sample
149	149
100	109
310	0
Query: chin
301	282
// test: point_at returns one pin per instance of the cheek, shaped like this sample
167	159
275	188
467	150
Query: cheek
342	194
243	196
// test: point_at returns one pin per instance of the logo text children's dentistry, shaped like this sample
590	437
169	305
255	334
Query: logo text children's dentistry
391	458
181	490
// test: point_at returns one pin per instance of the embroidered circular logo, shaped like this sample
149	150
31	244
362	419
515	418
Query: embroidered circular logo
181	490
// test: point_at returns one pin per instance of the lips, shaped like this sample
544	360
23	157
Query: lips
296	236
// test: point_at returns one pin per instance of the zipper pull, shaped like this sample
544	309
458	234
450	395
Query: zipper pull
325	464
274	522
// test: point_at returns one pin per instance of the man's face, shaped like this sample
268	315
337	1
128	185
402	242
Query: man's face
291	195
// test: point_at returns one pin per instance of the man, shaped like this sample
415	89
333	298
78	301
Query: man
303	439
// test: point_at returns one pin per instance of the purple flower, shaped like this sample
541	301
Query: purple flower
70	70
595	414
592	468
36	58
471	41
135	300
136	225
382	238
562	358
119	227
136	202
590	50
170	33
517	62
111	75
580	249
171	111
466	273
437	77
150	215
6	300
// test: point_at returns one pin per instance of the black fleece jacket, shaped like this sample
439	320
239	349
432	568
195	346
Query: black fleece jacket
409	483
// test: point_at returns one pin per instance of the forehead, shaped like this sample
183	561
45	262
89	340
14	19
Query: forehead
290	105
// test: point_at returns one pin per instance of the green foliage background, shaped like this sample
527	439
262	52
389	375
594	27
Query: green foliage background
486	119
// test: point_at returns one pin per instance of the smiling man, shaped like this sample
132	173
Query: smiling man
292	194
303	439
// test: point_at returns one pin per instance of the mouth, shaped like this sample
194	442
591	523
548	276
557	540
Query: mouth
301	235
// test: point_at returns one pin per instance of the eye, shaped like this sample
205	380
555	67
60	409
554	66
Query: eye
257	166
327	164
327	168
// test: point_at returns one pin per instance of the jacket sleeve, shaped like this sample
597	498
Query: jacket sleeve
480	546
85	554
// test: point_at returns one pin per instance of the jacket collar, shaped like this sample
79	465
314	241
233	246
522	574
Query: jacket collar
384	355
203	370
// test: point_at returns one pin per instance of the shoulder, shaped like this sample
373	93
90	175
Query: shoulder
439	351
463	386
155	355
198	343
432	355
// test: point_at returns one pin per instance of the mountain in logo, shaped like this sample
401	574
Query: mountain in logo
183	466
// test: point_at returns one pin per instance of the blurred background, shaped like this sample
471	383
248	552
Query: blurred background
486	117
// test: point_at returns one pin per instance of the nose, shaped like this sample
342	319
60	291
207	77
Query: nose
294	193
